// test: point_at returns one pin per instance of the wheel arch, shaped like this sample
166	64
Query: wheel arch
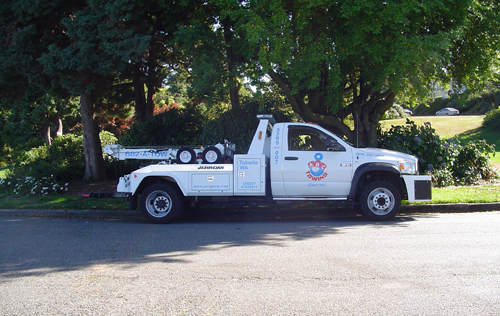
150	180
376	171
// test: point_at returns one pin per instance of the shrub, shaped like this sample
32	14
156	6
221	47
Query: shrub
63	160
30	185
492	119
395	112
41	169
172	127
472	164
431	108
496	97
448	161
238	126
421	141
442	178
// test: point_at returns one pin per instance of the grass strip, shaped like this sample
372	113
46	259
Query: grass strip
470	194
61	202
489	193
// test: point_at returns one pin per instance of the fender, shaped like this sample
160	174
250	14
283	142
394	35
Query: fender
367	167
180	178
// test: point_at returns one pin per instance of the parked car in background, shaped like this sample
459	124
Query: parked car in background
408	112
447	111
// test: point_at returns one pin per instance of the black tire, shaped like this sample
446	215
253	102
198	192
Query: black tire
380	201
186	155
211	155
133	202
160	203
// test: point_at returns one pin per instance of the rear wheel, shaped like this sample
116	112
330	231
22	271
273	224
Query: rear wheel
186	155
160	203
211	155
380	201
132	202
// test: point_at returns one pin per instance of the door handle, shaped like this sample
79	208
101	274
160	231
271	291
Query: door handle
291	158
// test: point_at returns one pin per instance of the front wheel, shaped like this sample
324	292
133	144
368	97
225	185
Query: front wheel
160	203
380	201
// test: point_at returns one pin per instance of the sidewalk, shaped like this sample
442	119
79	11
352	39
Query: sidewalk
256	213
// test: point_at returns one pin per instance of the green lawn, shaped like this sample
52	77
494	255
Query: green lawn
445	126
61	202
476	194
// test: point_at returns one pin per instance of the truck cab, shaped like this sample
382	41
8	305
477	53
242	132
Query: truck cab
308	161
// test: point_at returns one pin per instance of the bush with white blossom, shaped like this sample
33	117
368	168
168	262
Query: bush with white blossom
31	186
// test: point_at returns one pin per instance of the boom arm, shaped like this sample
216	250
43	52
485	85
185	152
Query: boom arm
122	153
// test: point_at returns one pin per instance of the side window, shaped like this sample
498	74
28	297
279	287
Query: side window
305	139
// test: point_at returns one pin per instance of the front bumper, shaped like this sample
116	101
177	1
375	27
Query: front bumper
124	185
419	188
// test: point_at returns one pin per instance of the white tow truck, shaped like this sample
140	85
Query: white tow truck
286	161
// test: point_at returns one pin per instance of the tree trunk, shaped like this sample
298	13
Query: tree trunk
58	121
140	99
150	106
367	109
46	133
234	96
94	161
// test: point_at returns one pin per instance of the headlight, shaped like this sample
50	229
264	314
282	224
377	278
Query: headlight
408	166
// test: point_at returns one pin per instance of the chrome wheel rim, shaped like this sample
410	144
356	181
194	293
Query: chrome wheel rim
185	156
211	156
158	204
381	201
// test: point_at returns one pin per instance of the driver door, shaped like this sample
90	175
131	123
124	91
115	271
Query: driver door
315	164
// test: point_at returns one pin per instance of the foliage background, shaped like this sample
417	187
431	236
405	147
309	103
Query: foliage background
449	161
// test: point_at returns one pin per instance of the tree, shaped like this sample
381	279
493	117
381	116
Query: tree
29	100
210	54
40	115
99	45
71	48
334	59
159	20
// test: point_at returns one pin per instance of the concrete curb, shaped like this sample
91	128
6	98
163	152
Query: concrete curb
405	209
449	208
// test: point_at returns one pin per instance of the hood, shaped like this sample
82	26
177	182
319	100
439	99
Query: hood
382	154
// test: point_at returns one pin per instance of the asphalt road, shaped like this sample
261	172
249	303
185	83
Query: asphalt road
431	264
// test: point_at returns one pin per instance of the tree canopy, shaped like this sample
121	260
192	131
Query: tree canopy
333	60
84	48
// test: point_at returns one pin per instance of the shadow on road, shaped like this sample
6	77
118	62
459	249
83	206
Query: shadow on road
38	246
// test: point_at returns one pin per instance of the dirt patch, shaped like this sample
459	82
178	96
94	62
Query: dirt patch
78	187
